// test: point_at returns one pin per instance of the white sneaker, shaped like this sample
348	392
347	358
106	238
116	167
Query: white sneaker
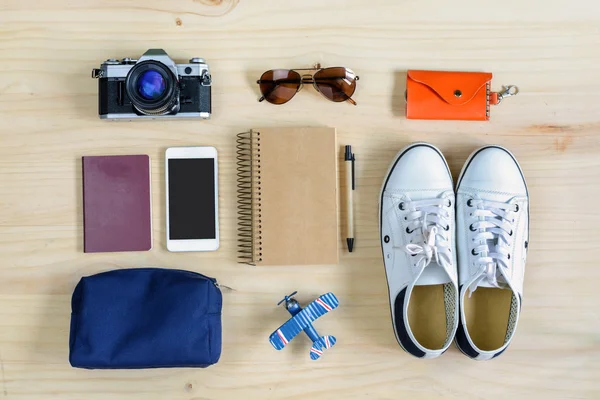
417	227
492	207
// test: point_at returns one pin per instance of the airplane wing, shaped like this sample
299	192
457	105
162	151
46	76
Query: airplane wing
321	306
300	321
287	332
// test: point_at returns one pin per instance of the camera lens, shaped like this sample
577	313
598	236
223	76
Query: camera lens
152	88
151	85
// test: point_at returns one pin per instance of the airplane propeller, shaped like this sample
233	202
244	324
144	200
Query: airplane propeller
286	298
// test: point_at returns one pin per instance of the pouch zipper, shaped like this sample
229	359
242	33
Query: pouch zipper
213	280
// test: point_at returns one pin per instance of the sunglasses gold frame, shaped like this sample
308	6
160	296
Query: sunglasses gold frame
309	79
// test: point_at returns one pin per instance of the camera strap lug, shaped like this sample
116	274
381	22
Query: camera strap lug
97	73
205	79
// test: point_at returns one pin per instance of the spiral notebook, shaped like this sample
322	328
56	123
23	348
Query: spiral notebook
287	196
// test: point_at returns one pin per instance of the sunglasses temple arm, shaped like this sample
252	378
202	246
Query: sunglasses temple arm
278	81
309	81
268	93
271	90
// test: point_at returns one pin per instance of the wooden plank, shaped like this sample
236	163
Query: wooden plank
48	120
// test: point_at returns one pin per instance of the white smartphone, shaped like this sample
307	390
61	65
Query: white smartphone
192	199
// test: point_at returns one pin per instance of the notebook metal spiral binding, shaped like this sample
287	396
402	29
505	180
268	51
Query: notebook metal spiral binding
249	205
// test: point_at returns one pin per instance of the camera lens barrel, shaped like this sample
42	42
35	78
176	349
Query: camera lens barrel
152	88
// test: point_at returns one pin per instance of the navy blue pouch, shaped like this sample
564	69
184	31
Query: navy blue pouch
145	318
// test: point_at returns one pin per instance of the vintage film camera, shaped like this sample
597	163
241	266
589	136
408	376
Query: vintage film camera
153	87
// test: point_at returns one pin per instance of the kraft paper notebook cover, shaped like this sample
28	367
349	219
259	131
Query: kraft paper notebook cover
116	203
287	196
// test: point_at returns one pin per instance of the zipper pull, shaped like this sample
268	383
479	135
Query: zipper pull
221	287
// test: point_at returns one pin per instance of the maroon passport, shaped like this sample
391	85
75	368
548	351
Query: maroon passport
117	213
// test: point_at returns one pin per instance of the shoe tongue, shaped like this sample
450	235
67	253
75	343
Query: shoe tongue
433	274
415	196
500	278
499	197
486	284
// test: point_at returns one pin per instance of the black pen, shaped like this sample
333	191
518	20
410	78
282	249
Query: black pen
350	186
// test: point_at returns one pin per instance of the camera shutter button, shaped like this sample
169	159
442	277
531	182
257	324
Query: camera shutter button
197	60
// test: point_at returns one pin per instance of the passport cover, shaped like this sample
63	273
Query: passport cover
117	213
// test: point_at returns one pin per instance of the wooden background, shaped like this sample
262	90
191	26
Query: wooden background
48	120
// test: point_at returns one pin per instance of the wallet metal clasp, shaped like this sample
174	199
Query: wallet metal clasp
507	91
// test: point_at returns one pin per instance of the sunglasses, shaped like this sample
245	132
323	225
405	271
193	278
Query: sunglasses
278	86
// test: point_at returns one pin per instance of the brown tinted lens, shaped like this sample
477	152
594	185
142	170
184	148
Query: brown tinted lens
337	84
278	86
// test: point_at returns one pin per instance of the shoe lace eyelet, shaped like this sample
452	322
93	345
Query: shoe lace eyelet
447	228
408	231
449	203
517	208
473	252
386	239
472	228
470	202
401	206
509	256
511	233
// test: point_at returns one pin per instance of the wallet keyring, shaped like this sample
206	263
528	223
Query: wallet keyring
507	91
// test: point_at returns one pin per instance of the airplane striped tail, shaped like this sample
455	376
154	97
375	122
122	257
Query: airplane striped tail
320	346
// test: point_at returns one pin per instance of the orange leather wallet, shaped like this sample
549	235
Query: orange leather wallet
451	95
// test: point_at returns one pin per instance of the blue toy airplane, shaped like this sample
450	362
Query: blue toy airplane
301	320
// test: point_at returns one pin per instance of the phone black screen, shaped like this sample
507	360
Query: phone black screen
192	198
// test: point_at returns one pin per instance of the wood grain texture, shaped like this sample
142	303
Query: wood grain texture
48	120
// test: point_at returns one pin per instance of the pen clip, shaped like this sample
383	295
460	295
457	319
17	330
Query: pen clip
353	173
349	156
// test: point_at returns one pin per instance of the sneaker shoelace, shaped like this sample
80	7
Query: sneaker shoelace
432	219
494	229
